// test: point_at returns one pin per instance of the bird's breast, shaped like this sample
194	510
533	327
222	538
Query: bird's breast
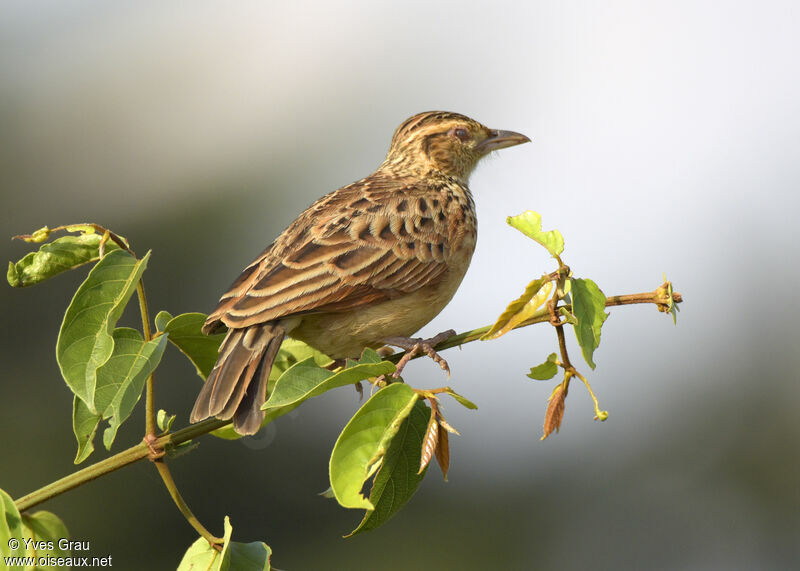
345	334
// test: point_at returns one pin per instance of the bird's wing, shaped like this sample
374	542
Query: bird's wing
370	241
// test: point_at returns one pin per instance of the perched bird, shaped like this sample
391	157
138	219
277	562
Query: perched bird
368	263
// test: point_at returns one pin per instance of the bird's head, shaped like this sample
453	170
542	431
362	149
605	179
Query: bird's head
443	142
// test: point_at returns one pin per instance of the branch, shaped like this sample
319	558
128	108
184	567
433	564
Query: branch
129	456
656	297
168	441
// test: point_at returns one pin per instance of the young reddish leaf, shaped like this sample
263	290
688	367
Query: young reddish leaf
446	425
555	411
443	450
430	442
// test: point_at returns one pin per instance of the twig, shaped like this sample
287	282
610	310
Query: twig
129	456
169	482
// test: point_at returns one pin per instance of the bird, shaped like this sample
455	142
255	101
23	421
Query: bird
364	266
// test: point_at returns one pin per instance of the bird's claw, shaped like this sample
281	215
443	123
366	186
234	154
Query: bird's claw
418	345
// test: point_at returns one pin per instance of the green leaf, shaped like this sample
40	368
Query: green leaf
65	253
201	557
121	379
463	401
254	556
228	433
10	527
161	320
43	530
29	535
163	421
84	425
185	332
181	449
672	307
360	449
234	556
308	376
397	479
293	351
38	236
530	224
546	370
522	308
120	382
564	312
85	342
306	379
588	306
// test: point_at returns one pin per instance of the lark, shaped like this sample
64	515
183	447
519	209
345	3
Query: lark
365	266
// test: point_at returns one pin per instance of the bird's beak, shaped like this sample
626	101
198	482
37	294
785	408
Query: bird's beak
500	140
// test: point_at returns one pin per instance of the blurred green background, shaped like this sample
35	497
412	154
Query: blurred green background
665	139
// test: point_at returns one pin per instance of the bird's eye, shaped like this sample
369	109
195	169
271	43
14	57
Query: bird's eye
460	133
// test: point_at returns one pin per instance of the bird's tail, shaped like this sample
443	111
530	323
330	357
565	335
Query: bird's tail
237	385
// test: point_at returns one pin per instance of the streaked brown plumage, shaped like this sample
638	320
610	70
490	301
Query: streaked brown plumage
376	259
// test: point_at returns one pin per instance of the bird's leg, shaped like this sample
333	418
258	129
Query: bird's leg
415	346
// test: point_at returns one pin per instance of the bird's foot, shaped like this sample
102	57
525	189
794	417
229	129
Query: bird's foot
416	346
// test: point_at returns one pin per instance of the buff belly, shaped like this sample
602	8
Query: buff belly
345	334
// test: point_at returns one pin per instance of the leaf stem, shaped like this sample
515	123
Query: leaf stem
172	488
149	412
598	414
562	347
